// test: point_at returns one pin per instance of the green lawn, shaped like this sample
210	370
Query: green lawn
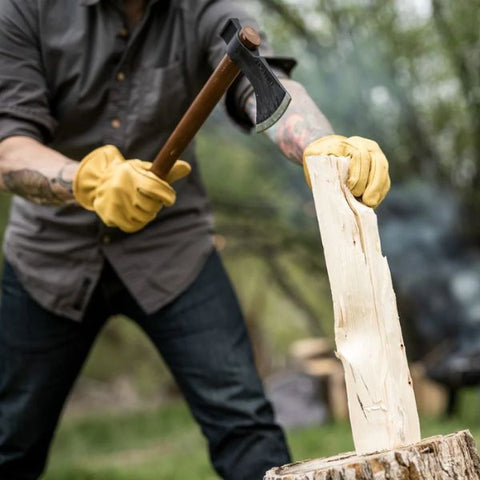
166	444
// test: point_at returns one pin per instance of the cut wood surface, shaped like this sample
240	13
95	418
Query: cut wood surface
368	337
438	458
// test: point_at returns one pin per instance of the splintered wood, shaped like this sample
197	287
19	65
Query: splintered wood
437	458
382	409
381	401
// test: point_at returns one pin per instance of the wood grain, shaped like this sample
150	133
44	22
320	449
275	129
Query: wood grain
368	337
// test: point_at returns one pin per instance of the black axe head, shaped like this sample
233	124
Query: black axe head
272	98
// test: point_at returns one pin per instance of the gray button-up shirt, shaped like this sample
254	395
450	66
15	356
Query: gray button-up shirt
73	77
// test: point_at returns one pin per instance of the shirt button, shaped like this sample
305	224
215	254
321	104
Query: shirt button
116	123
123	32
106	239
120	77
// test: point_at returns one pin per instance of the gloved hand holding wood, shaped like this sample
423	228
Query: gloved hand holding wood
124	193
368	177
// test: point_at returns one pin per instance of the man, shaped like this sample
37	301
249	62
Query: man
101	81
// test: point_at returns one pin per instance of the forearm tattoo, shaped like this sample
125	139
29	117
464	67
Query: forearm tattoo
300	125
36	187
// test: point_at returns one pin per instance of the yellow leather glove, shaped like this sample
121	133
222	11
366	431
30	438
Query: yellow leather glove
368	177
123	193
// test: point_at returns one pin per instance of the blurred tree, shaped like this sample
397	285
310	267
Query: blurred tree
457	26
404	73
261	212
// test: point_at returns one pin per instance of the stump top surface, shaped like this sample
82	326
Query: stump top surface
344	461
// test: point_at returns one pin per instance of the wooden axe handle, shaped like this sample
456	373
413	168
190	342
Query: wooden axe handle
202	106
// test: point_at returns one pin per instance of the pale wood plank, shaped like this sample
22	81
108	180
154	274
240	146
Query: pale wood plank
369	342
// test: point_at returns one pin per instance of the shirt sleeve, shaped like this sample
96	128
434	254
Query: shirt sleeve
212	17
24	96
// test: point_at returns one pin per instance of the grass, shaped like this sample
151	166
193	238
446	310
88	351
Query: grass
166	444
133	445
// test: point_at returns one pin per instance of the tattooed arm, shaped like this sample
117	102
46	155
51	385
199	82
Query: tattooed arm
36	172
304	125
300	125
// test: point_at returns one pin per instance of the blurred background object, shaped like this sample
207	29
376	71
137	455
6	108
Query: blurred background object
437	278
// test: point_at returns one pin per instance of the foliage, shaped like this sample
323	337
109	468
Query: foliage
403	73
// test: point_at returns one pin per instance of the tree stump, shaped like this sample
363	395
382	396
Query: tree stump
437	458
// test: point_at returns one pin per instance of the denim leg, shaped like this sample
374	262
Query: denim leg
40	357
204	341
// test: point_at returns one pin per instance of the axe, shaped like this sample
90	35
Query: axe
241	56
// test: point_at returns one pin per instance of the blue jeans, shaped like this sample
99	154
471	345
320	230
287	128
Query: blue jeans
202	338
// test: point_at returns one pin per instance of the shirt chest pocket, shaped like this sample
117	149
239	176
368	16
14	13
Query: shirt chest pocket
162	97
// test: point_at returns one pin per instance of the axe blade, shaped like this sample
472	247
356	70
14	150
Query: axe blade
271	97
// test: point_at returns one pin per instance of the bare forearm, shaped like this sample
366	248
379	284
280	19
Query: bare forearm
35	172
301	124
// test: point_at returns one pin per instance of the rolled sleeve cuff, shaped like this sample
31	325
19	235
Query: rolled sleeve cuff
241	89
26	122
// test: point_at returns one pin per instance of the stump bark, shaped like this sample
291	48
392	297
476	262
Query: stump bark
437	458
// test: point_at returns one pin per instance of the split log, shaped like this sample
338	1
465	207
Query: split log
368	337
369	343
438	458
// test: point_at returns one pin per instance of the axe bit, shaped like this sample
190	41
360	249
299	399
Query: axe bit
241	56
